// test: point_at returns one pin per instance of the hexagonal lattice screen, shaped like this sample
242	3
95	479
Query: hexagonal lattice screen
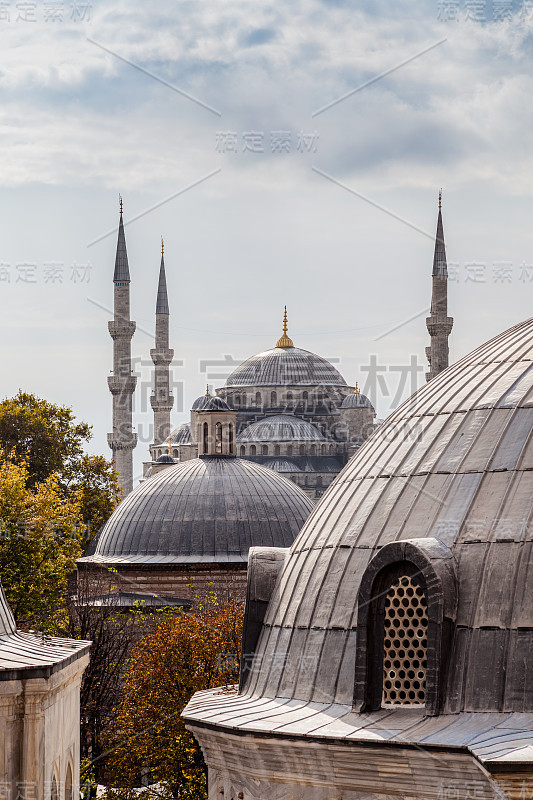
405	643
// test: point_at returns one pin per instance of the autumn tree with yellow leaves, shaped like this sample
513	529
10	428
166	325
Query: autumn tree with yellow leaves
147	743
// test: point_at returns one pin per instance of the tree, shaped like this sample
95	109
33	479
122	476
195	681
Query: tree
40	540
50	442
147	741
112	631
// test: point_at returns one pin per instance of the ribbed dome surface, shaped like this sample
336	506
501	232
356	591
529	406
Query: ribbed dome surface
454	463
286	366
181	435
356	401
210	509
281	428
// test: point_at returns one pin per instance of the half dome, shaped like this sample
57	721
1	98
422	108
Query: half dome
285	366
203	510
281	428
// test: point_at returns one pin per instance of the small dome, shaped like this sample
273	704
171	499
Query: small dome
285	366
200	402
281	428
165	459
214	404
356	400
203	510
181	435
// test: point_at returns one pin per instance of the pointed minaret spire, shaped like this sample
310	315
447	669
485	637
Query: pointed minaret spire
161	399
439	324
122	383
161	306
285	340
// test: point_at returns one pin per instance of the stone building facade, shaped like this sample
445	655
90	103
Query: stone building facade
39	712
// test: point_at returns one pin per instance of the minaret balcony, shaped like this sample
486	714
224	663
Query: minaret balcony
121	329
161	404
124	441
122	385
439	326
161	357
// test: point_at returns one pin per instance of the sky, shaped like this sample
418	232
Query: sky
288	153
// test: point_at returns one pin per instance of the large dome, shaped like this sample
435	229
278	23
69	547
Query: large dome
281	428
445	483
285	366
203	510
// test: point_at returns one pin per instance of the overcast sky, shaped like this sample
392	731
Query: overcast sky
172	105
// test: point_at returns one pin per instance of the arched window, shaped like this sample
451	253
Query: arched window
243	450
174	454
407	604
252	450
258	401
237	399
313	449
323	450
331	449
289	397
302	449
230	438
277	450
218	438
273	399
69	793
264	450
206	437
305	395
289	450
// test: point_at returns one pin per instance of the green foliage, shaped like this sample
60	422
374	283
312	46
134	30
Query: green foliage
49	441
40	540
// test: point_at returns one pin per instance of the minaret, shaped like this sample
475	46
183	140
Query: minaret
122	382
161	400
439	324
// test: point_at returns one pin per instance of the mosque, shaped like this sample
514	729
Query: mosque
388	652
295	412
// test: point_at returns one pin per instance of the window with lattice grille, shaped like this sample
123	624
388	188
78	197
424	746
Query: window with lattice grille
405	643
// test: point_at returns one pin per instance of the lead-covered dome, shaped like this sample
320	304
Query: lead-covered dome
281	428
203	510
356	400
444	488
285	366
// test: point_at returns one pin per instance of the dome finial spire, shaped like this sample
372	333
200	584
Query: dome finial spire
120	201
207	391
440	199
285	341
357	389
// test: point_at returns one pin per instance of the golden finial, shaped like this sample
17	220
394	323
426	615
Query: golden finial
207	391
169	444
440	199
356	390
120	200
162	246
285	341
